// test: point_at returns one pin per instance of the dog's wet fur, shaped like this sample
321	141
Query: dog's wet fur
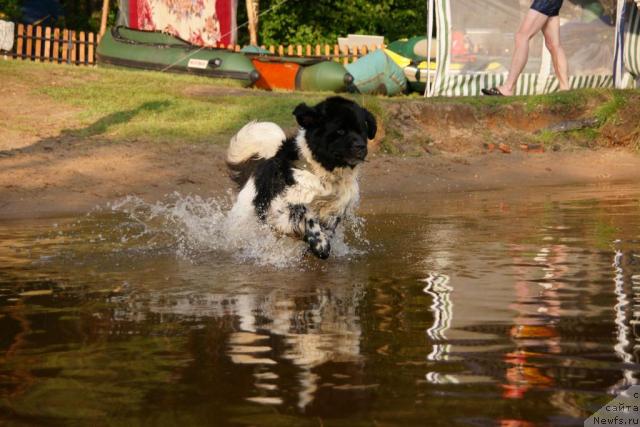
306	184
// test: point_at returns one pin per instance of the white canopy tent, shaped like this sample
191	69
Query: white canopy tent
627	61
475	42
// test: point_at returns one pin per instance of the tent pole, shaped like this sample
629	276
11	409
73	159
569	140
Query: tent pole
427	88
618	59
103	20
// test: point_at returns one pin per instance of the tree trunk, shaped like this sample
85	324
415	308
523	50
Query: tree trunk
103	21
252	14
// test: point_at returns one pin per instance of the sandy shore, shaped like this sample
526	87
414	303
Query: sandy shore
68	177
47	169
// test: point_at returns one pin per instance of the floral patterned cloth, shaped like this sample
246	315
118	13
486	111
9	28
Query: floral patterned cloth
200	22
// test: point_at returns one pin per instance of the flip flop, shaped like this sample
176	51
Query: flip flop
494	91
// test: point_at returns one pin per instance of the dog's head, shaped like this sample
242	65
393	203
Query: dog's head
337	131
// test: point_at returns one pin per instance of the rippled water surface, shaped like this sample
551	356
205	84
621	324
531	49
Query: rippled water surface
483	309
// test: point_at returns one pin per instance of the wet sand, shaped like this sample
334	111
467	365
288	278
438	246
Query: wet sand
65	177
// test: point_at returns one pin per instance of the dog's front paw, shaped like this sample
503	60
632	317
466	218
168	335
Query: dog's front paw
317	240
320	247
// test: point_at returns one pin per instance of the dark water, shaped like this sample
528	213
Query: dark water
486	309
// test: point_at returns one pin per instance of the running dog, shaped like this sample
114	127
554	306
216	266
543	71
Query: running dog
305	185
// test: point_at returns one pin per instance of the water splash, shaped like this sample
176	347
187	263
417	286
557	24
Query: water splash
193	227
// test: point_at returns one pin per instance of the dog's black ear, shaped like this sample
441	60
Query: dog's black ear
372	126
306	116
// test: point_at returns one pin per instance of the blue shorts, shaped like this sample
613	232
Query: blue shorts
547	7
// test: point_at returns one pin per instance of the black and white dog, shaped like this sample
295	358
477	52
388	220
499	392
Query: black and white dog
305	185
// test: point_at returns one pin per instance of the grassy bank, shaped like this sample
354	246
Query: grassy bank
119	104
124	104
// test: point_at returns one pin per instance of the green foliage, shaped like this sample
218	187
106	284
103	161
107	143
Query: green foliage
86	14
10	10
324	21
81	15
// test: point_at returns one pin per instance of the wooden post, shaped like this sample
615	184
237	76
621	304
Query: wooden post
318	52
299	50
56	45
65	45
83	48
47	43
355	54
290	50
74	48
281	50
29	41
345	59
272	49
103	20
37	55
20	40
252	15
91	42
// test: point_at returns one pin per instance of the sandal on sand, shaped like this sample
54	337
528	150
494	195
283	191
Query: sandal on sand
494	91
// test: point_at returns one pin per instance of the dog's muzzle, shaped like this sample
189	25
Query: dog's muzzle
358	152
360	149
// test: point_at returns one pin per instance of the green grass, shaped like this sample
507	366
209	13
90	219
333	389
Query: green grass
123	104
546	137
608	111
559	102
119	104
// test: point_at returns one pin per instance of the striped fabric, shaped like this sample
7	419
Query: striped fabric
443	58
449	82
469	84
632	43
582	82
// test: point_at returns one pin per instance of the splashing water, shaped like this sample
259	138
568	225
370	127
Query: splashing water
193	226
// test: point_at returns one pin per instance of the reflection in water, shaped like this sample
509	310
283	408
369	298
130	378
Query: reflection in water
323	328
537	306
271	328
439	289
621	319
475	312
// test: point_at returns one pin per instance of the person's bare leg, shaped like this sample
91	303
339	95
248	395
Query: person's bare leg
532	23
551	31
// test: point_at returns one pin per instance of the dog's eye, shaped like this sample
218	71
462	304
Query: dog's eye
341	132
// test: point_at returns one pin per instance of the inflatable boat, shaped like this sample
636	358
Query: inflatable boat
377	73
300	73
158	51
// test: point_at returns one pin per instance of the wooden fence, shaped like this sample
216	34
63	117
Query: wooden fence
333	53
55	45
47	44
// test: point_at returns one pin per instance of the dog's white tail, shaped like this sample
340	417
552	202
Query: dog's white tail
255	140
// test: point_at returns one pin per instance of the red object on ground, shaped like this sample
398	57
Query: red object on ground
276	75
